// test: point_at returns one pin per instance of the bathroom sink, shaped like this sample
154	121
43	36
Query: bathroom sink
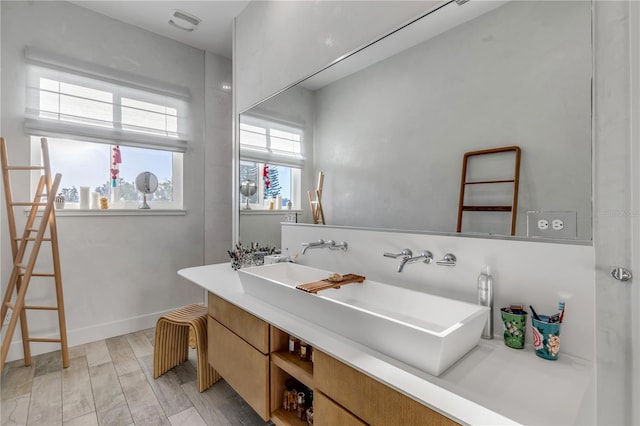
425	331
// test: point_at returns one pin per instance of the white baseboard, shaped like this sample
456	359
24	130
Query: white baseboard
84	335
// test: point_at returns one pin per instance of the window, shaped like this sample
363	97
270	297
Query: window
271	156
283	181
84	163
106	127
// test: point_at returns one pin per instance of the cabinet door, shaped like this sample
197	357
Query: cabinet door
249	327
368	399
328	413
242	366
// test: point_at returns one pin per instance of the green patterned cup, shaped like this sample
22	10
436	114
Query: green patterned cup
514	328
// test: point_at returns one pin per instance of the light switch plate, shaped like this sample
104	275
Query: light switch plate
549	224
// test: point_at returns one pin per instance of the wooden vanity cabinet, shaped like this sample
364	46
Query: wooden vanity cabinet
238	348
328	413
369	400
253	357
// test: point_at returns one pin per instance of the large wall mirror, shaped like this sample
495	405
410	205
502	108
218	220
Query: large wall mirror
390	124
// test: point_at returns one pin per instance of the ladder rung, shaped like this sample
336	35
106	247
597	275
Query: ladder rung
31	239
21	265
27	203
10	305
486	208
40	274
43	339
32	229
477	182
25	168
42	308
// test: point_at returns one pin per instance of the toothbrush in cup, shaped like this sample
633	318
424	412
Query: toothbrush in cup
561	306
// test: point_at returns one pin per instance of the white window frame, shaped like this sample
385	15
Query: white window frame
42	64
269	156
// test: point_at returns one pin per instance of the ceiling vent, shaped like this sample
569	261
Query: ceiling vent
184	21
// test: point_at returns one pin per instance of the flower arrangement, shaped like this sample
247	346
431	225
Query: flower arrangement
252	255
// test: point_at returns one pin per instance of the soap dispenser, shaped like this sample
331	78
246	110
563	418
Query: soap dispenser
485	298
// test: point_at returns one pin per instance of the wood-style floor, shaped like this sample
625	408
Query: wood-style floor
110	382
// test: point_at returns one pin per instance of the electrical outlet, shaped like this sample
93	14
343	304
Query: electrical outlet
7	318
549	224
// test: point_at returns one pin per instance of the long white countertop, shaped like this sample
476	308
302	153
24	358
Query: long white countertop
491	385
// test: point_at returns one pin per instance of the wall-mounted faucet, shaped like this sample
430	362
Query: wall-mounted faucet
331	244
312	244
407	257
448	259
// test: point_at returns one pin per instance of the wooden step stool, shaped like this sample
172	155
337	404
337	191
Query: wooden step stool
175	332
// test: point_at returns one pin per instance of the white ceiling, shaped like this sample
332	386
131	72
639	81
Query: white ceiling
212	34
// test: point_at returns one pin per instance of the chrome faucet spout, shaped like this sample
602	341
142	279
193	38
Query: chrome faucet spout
425	257
331	245
313	244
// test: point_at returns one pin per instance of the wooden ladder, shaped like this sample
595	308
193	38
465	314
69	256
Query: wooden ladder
316	205
513	208
24	260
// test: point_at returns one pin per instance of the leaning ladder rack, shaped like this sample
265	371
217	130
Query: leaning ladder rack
513	208
25	250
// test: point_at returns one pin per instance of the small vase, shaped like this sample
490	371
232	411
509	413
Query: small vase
59	201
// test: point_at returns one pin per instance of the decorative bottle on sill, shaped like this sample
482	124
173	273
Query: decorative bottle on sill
59	201
115	193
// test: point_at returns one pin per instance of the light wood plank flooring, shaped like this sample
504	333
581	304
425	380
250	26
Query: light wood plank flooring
110	382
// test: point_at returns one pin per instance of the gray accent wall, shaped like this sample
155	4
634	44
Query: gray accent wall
391	138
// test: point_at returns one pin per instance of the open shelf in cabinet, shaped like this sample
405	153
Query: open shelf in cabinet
294	366
286	418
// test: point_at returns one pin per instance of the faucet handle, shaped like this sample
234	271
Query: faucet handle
428	256
405	253
333	246
448	259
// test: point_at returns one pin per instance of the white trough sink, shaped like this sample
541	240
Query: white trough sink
425	331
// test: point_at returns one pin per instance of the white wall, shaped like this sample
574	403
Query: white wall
262	40
520	74
218	154
119	273
263	227
612	211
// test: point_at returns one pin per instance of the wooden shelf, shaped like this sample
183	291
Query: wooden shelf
294	366
286	418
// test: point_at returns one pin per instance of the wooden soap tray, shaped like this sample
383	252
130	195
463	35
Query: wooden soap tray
316	286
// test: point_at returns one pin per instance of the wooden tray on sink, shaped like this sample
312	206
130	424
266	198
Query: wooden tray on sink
316	286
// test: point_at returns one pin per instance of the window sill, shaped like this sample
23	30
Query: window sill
116	212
